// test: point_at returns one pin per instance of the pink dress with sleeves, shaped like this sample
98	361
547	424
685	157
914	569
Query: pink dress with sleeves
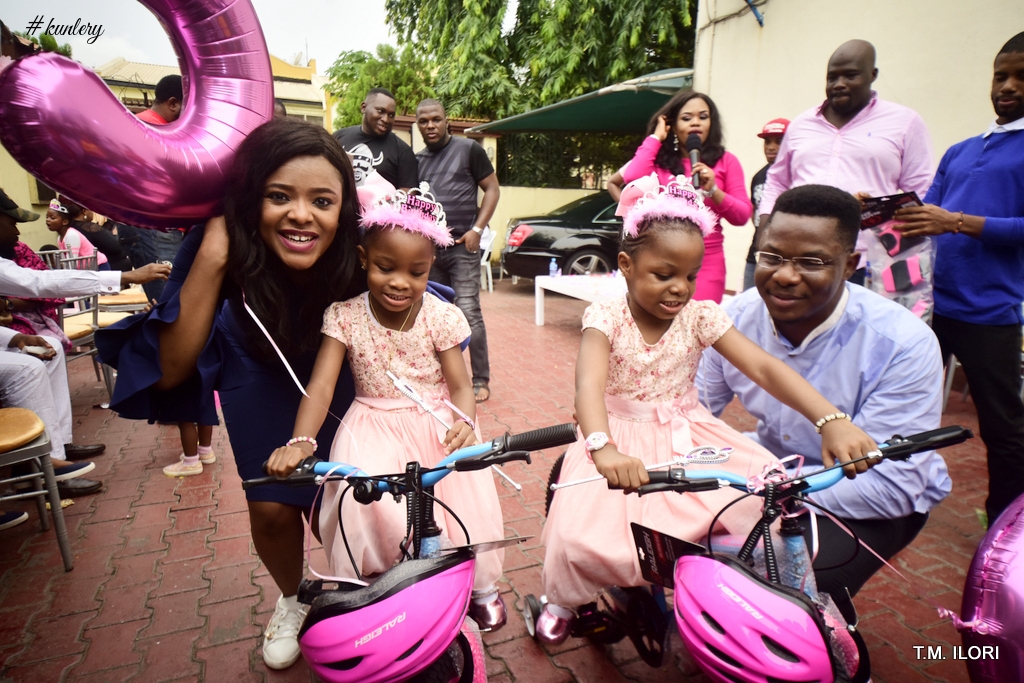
654	414
383	431
735	208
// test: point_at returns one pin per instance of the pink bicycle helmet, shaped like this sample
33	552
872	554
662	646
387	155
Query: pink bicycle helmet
392	629
742	628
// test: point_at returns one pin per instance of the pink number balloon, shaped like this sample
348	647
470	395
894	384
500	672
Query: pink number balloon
62	123
993	603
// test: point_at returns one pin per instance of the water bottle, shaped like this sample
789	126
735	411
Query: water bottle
431	546
867	275
795	564
553	268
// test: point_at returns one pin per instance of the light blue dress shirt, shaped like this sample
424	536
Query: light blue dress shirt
872	359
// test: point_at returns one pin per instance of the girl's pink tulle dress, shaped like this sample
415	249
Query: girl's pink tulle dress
654	414
383	430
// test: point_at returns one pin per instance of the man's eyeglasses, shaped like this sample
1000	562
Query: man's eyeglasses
804	264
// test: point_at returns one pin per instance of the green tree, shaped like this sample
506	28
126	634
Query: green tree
48	43
557	48
355	72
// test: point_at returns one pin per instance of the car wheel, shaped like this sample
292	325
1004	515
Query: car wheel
587	263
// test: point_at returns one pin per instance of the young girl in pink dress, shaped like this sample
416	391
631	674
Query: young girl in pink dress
58	220
637	406
398	326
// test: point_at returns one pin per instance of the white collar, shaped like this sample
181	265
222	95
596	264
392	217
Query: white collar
827	324
1005	128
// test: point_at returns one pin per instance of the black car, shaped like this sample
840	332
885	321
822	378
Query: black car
582	237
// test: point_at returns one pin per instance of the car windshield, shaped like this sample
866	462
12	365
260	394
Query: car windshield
590	199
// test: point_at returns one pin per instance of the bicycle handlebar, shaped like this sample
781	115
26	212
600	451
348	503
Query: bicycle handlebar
505	448
897	448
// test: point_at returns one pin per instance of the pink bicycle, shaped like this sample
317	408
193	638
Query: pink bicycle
407	624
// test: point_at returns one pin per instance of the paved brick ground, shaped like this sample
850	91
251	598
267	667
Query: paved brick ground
166	586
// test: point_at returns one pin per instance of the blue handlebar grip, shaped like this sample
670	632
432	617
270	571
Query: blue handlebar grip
817	481
824	479
431	478
339	468
731	477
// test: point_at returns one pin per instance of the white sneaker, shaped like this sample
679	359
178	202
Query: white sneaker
281	640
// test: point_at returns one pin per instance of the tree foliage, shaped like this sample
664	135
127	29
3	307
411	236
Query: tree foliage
556	49
355	72
48	43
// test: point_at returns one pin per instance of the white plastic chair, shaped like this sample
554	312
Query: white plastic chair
486	243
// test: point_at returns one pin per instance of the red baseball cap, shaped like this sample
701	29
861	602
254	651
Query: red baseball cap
774	128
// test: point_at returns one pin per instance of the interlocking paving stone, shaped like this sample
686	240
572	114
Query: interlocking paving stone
165	588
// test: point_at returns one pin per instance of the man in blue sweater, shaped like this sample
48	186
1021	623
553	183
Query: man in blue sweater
975	208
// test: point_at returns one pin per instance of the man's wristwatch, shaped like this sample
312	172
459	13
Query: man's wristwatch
597	440
477	230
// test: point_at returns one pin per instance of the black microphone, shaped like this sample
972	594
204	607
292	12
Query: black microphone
693	147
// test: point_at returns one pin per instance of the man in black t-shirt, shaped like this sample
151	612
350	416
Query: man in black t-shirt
390	156
456	168
772	135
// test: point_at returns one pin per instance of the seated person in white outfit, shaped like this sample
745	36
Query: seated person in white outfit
40	382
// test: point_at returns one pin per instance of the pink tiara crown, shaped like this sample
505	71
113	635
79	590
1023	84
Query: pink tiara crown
647	198
55	205
415	211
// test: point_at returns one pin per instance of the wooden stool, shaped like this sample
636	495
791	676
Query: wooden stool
23	438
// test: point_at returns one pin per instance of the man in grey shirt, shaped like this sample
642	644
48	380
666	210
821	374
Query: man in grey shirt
454	168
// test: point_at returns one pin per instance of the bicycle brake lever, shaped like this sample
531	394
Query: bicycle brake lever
479	462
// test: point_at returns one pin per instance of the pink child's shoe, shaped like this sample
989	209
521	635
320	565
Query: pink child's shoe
489	616
552	629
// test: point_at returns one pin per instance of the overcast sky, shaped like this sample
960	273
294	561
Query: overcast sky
329	27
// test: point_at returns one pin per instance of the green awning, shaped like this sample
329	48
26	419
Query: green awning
621	108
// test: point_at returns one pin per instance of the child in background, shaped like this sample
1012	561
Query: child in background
636	406
398	326
58	220
196	447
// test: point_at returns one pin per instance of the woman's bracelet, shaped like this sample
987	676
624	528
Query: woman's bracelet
959	224
298	439
828	418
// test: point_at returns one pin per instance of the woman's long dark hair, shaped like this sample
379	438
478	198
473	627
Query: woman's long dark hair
672	159
293	314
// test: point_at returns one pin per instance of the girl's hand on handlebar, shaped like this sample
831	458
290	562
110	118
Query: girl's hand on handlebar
843	441
459	436
621	471
285	459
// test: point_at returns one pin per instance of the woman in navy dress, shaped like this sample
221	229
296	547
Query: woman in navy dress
286	246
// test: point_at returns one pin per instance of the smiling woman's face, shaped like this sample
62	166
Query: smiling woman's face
301	205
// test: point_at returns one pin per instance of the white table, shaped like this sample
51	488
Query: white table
586	287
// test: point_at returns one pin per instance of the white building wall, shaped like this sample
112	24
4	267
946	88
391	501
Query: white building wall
933	55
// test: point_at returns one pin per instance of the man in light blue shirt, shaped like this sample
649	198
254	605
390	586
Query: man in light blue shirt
869	356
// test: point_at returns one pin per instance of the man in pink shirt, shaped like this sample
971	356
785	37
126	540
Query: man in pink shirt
854	140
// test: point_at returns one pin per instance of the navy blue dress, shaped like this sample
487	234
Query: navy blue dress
259	400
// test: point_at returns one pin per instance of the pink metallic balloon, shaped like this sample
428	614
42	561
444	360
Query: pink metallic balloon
62	123
993	605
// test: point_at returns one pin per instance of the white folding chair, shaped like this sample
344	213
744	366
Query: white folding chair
486	243
53	257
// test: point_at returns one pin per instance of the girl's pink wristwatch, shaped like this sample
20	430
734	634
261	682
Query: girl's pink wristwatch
597	440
